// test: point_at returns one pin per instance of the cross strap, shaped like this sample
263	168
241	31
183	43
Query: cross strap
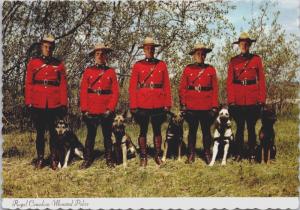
199	75
149	74
244	68
37	70
97	79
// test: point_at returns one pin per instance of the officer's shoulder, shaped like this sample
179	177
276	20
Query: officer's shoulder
255	55
140	61
235	57
191	65
35	58
56	60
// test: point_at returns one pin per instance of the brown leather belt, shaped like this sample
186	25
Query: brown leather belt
99	92
199	88
151	85
46	82
245	82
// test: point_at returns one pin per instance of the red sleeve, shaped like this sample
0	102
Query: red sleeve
63	86
167	87
230	90
261	82
28	84
115	92
215	89
183	87
133	88
83	92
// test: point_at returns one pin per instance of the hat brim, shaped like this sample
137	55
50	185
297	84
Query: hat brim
107	50
206	50
247	40
154	45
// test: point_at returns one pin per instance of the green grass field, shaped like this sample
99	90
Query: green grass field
173	179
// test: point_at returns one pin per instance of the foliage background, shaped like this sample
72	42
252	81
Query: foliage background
177	26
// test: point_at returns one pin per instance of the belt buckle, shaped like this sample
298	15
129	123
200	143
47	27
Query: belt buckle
151	85
244	82
198	88
99	92
46	82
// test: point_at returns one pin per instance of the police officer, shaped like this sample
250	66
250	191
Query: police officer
46	96
99	93
150	97
198	93
246	92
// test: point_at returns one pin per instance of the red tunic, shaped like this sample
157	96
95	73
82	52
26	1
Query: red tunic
38	91
95	103
202	77
253	73
149	97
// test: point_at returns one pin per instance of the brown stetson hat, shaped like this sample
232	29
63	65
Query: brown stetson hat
245	37
200	47
149	41
100	46
48	38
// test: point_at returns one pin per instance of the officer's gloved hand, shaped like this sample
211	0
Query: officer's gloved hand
213	113
29	107
63	110
183	110
260	106
85	113
107	114
167	109
133	111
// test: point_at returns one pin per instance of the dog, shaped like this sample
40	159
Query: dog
223	135
68	144
267	148
174	145
122	143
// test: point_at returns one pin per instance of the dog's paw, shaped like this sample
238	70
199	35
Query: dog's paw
163	159
211	164
223	163
59	165
125	165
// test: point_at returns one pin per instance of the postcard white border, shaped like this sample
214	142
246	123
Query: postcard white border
152	203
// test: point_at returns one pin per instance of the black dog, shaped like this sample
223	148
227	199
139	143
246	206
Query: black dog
267	148
174	145
68	144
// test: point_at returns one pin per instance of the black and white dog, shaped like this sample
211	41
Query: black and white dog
68	144
174	145
267	148
122	143
223	135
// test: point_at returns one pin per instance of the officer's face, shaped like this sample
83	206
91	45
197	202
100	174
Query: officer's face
46	48
244	46
149	51
100	56
199	56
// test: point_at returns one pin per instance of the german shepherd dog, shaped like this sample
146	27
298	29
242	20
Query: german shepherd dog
122	143
174	145
68	144
223	135
267	148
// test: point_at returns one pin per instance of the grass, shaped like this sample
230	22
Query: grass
174	179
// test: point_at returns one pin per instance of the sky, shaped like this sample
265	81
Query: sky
288	18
